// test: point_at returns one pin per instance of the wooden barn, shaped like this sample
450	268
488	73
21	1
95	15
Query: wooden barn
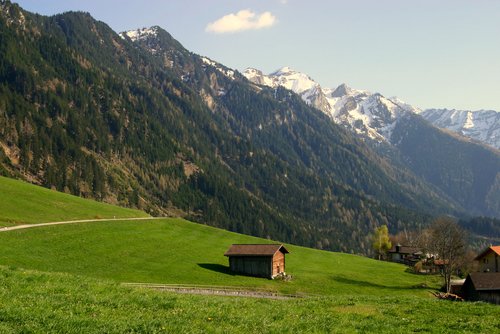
257	259
482	286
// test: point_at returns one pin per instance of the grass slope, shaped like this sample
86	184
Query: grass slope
22	203
36	302
177	251
357	294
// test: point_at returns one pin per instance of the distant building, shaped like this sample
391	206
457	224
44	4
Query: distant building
257	259
489	260
405	254
482	286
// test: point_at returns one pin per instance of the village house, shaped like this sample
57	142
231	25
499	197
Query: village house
489	260
405	254
410	256
485	284
257	259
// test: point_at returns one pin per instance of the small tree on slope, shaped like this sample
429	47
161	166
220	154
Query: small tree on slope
380	241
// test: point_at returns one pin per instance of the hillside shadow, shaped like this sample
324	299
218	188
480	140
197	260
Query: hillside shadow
351	281
219	268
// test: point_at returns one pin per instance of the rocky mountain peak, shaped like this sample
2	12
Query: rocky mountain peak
141	33
341	90
12	13
369	115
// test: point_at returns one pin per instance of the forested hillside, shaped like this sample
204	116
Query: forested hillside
466	171
463	170
92	113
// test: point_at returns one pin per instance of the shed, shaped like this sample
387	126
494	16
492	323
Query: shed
489	259
257	259
482	286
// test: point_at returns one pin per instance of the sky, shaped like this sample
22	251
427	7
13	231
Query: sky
429	53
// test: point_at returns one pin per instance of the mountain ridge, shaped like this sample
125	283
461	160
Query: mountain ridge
387	123
480	125
172	132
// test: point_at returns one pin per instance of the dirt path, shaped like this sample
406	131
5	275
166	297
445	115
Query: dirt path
213	290
20	227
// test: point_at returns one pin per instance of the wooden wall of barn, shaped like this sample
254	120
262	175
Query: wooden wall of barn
278	263
251	265
489	296
470	293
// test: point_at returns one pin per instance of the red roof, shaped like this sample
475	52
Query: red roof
494	249
255	250
440	262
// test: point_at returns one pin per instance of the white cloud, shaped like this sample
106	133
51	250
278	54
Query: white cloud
242	20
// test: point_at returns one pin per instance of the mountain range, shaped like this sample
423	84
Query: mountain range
401	133
373	115
481	125
136	119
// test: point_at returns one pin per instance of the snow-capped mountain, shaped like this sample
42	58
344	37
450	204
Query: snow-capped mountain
375	116
481	125
368	114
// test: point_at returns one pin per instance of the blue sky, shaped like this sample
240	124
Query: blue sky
429	53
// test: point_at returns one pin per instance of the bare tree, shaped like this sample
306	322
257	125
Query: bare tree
417	238
447	242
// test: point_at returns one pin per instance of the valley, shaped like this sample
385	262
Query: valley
170	132
129	165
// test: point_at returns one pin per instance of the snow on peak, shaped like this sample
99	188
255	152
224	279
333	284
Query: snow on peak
252	72
343	90
224	70
140	34
283	70
481	125
374	116
285	76
370	115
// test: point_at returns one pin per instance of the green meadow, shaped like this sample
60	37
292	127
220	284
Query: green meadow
179	252
41	302
67	279
24	203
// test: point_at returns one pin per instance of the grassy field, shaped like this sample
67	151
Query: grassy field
24	203
66	279
36	302
177	251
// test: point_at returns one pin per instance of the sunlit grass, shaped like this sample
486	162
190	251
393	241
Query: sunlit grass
177	251
22	203
38	302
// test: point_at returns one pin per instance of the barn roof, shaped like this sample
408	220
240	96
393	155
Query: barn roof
255	250
485	281
494	249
